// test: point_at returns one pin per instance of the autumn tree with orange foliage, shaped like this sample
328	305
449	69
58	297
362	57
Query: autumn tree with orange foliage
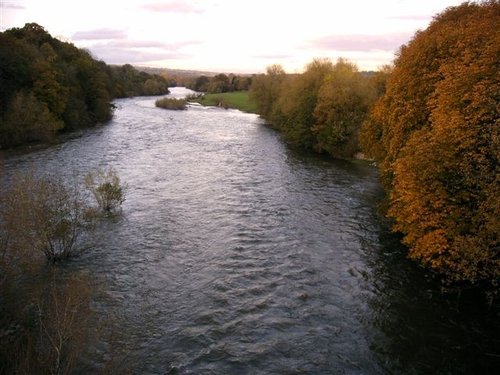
436	136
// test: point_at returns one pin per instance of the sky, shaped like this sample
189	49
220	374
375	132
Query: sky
232	36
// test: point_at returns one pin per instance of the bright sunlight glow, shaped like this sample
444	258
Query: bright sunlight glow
229	35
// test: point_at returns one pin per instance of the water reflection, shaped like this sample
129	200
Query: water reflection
420	329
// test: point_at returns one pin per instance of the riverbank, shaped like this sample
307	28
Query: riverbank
235	100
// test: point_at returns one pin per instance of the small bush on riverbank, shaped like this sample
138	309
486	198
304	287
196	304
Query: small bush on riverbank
47	322
43	215
171	103
106	188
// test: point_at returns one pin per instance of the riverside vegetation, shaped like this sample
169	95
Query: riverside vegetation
220	83
106	188
236	100
171	103
319	110
48	86
45	315
223	90
431	123
435	134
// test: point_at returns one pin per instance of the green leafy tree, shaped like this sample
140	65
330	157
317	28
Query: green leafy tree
242	83
343	102
200	84
48	86
266	91
27	120
297	102
72	89
219	83
16	57
321	109
155	86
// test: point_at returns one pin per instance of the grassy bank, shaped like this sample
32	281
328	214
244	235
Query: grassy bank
236	100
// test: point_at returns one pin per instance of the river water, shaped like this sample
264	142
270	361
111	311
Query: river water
236	255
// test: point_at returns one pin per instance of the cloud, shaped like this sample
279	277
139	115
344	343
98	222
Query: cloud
124	56
173	7
99	34
11	6
138	52
145	44
271	56
182	44
135	44
360	42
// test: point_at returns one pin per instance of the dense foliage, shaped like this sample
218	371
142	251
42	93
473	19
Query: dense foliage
266	90
219	83
436	136
47	85
321	109
127	81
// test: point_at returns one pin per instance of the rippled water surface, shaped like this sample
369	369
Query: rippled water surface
235	255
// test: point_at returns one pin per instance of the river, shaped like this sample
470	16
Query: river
236	255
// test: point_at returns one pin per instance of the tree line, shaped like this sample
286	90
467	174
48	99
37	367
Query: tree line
219	83
48	86
321	109
431	123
